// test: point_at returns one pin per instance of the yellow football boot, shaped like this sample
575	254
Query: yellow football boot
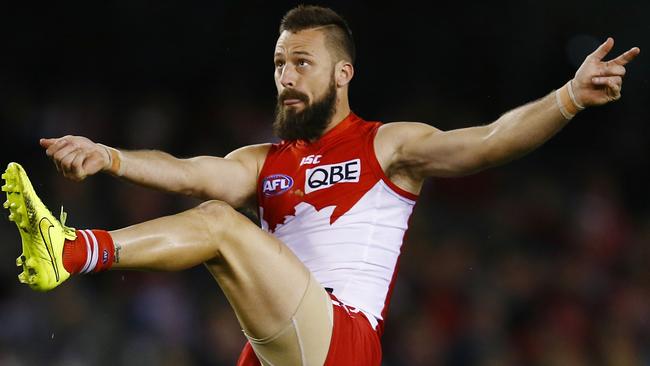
42	234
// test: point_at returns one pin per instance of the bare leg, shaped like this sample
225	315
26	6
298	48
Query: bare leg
261	277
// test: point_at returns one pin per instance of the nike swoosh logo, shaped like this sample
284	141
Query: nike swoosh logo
46	225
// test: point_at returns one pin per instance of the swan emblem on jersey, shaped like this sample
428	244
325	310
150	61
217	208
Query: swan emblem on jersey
276	184
325	176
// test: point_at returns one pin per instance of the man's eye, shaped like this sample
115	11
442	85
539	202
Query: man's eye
279	64
303	62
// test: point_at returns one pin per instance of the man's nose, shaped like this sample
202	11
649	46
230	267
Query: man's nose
288	77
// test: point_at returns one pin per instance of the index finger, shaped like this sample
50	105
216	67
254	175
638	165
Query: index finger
627	56
54	145
46	142
603	49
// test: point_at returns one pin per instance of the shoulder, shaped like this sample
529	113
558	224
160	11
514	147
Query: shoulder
404	130
393	136
252	156
248	152
392	144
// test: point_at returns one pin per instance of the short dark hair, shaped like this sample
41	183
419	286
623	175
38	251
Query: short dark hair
337	32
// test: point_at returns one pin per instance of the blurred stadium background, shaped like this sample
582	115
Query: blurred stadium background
543	261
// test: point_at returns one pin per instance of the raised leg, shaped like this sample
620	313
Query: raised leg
285	313
264	281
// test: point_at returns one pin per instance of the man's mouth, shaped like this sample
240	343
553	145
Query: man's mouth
290	102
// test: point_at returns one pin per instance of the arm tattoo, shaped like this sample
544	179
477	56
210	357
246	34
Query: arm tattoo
116	257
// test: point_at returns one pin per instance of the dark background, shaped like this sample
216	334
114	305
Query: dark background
543	261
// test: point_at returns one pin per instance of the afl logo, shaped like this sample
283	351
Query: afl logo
276	184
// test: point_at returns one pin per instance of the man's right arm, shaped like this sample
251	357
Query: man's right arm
232	179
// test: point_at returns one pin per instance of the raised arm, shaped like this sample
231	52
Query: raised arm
232	179
417	151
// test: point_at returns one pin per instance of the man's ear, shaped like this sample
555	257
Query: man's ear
343	73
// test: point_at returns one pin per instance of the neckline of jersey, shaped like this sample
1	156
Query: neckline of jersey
340	128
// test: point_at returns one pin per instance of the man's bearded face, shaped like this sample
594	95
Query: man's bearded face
308	124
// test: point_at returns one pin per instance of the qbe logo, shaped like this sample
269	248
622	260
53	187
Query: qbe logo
325	176
276	184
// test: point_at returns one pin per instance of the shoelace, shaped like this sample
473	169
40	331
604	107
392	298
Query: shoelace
68	231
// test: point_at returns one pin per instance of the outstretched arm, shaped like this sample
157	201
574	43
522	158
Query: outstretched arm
421	150
232	179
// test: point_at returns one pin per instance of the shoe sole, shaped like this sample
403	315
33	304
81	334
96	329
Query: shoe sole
22	213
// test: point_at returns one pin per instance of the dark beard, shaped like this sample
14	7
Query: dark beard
307	124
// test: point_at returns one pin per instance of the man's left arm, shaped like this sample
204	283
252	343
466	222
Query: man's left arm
423	151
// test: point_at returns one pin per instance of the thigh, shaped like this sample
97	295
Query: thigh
263	280
305	340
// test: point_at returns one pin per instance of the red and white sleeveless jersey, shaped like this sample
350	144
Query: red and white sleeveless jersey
332	204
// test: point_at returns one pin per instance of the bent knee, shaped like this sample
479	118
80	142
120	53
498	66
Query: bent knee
215	209
220	216
214	217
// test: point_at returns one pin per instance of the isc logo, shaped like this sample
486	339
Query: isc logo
325	176
276	184
310	159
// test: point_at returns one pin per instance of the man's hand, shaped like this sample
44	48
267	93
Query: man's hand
598	82
77	157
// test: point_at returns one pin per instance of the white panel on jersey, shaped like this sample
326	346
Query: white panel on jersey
357	254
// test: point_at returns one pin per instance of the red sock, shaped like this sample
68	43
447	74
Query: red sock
92	251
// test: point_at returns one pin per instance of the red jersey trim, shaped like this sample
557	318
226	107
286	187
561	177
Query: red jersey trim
369	150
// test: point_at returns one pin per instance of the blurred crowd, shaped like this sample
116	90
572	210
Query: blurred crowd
540	262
